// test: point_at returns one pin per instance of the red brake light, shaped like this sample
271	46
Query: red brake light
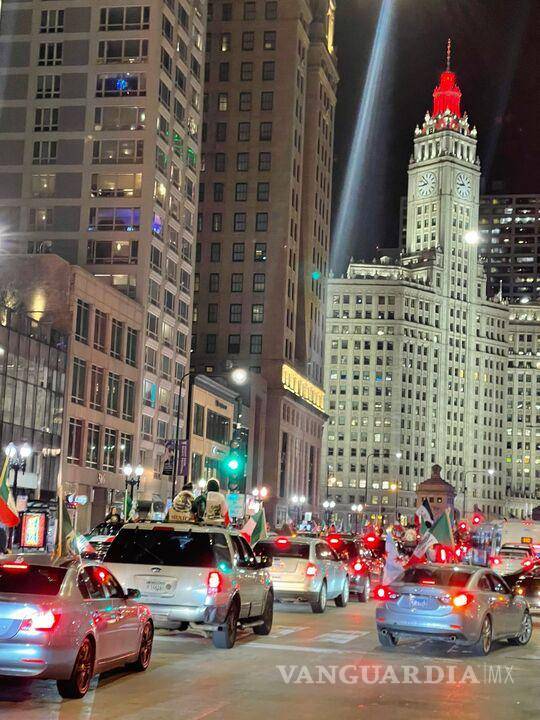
333	541
43	621
427	582
461	600
282	541
527	563
358	566
370	538
15	566
214	582
495	561
384	593
311	570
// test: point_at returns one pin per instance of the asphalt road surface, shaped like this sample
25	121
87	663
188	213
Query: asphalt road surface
312	666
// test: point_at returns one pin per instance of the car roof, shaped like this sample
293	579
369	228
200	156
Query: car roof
189	527
296	540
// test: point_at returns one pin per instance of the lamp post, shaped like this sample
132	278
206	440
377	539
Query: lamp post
132	478
177	429
17	455
394	488
328	506
489	472
368	458
356	509
298	502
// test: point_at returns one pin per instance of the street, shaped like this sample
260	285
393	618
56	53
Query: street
291	673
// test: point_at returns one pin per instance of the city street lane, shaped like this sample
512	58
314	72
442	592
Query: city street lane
289	674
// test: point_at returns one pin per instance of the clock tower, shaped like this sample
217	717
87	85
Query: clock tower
444	179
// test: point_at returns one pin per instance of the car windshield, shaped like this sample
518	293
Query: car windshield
166	546
23	579
510	552
347	550
441	577
283	548
105	529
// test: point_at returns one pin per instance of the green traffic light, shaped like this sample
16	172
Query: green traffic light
316	275
233	464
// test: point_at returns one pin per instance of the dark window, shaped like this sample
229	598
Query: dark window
443	577
263	191
217	427
249	10
198	420
226	11
261	222
268	70
224	71
244	131
255	344
241	192
238	252
213	282
215	252
265	161
81	322
235	313
259	282
211	343
212	312
246	71
270	10
35	580
244	101
221	132
248	40
286	549
234	344
265	131
219	162
240	222
218	192
164	546
267	100
242	161
237	282
217	222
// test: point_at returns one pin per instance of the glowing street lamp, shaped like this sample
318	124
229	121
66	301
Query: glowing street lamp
472	237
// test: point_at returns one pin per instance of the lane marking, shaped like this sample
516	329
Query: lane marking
282	630
341	637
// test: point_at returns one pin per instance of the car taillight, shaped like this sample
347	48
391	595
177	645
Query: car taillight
519	591
44	621
495	561
14	566
358	567
214	582
311	570
527	564
384	593
282	541
461	600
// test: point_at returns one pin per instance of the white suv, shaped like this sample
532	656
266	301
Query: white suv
195	575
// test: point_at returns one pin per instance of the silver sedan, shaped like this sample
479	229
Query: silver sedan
461	604
68	623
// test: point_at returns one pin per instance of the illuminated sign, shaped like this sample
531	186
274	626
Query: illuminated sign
303	388
33	530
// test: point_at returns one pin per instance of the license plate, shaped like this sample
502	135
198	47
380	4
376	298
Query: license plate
155	586
418	602
279	564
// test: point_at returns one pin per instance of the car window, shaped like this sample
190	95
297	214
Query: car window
248	552
112	587
23	579
282	547
483	584
443	576
513	552
89	585
498	584
323	552
238	549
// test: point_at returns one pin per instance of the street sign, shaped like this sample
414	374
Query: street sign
236	504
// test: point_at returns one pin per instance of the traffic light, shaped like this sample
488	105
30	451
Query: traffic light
234	463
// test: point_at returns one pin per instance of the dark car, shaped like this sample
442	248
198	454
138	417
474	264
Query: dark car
362	565
528	586
100	539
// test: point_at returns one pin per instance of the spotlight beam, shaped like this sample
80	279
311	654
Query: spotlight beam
357	164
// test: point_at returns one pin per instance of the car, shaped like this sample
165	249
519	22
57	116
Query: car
306	570
461	604
191	575
513	557
100	537
527	585
68	623
363	566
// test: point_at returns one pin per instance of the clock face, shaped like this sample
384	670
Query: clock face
463	185
426	184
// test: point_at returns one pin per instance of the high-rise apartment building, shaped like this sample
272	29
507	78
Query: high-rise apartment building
510	231
264	219
100	121
415	352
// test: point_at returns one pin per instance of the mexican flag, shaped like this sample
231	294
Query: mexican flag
442	530
255	527
8	510
128	506
68	540
419	555
423	517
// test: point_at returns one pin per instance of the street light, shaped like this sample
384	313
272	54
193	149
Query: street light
328	506
239	376
17	457
260	493
132	477
472	237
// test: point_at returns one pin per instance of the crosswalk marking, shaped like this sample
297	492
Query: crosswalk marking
340	637
283	630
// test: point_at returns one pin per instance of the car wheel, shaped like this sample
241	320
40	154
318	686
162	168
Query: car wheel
483	645
265	627
525	632
319	606
145	649
81	675
366	592
343	599
387	639
225	638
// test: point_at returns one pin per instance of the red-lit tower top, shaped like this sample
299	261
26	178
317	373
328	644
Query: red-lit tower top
447	95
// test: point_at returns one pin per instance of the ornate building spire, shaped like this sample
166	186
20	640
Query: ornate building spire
447	95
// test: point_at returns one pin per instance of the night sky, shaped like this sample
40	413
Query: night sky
496	59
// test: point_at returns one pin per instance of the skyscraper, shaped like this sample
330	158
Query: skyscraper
100	122
415	353
264	219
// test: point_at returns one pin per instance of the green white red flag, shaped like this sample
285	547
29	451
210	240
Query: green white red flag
8	510
255	527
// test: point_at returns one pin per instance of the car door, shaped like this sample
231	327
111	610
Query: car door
100	612
247	583
127	615
338	571
323	553
501	602
258	577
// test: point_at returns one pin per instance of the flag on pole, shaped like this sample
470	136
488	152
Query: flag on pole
68	540
255	527
128	505
420	552
8	510
424	516
442	530
392	567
